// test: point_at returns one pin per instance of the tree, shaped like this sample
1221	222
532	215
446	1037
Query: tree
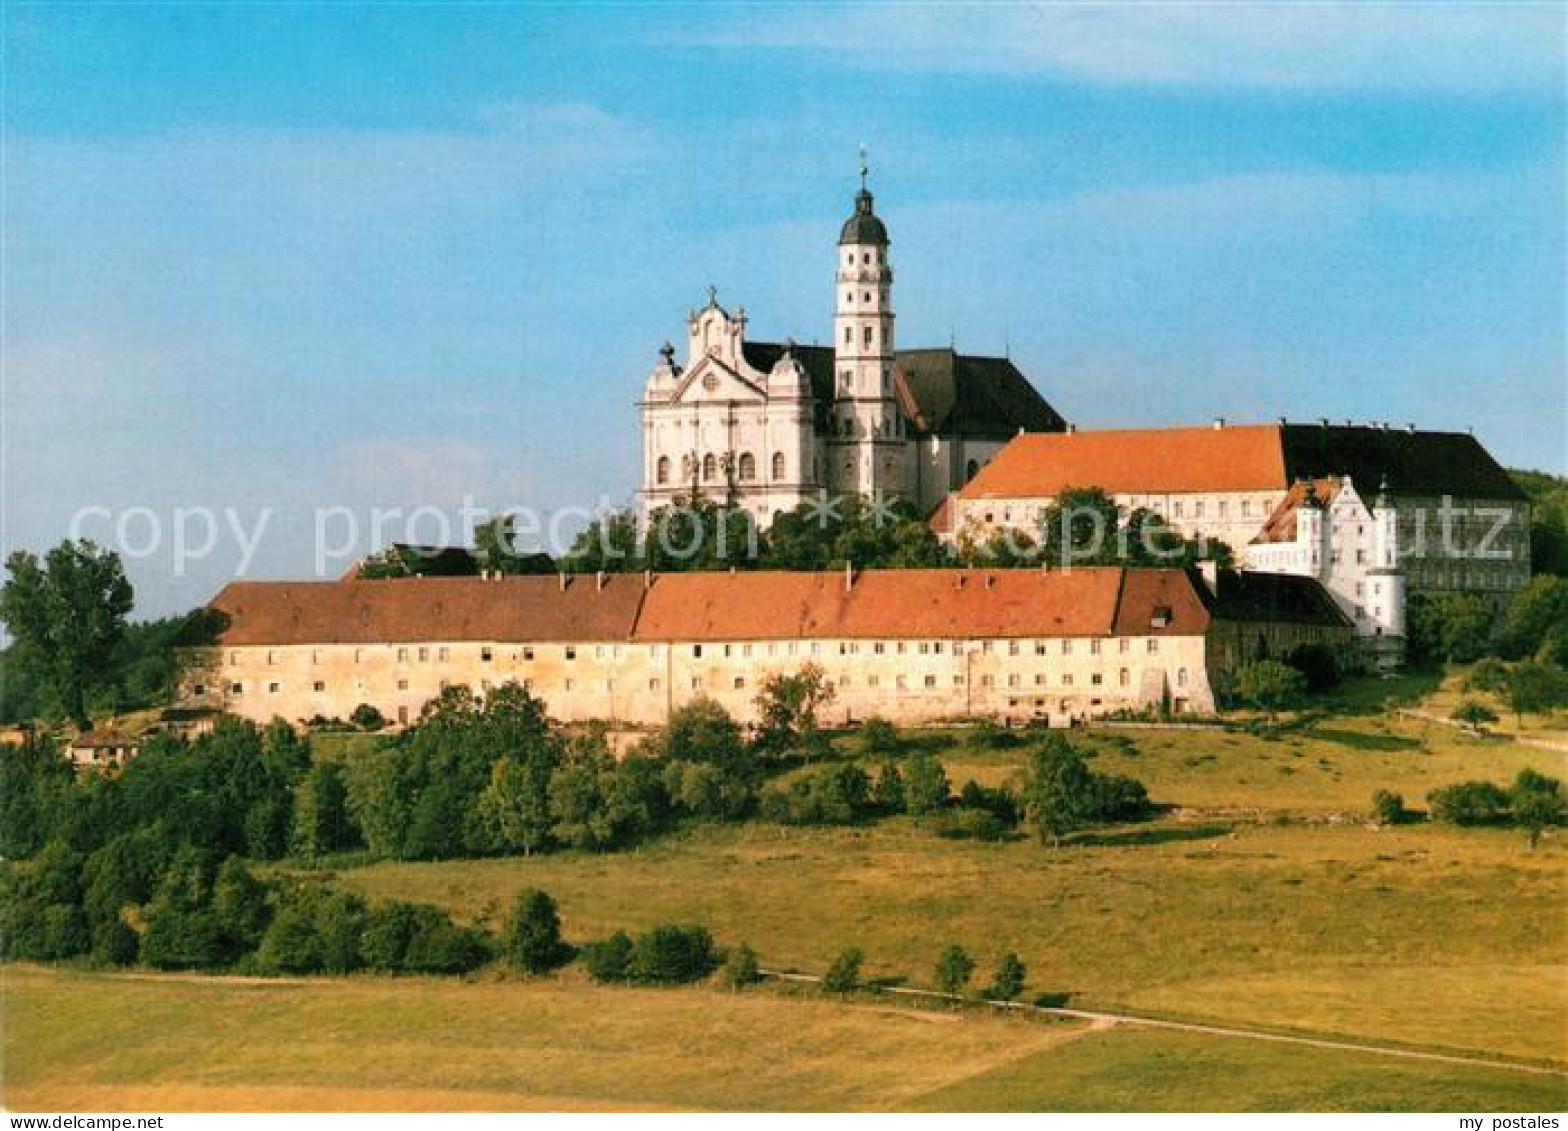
1270	685
787	707
239	904
888	789
1538	803
367	717
671	955
1536	623
1080	528
532	941
742	968
1448	626
1059	790
878	736
926	787
1469	803
321	818
954	968
67	614
1318	666
607	959
703	731
515	805
1388	808
843	976
1535	688
1009	980
35	784
1473	713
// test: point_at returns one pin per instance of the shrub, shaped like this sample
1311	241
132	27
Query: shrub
1009	980
991	735
607	959
1489	675
671	955
116	944
831	795
954	968
843	975
366	717
532	941
1118	798
1317	665
999	801
926	786
970	824
1388	808
706	790
1270	685
315	931
878	736
1469	803
888	789
742	968
1473	713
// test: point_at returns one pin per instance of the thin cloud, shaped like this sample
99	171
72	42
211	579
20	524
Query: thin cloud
1301	46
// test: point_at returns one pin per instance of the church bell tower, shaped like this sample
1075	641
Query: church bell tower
866	444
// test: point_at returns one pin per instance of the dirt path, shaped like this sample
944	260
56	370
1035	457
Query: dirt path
1100	1019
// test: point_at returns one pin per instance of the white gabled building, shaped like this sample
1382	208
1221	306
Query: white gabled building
1325	529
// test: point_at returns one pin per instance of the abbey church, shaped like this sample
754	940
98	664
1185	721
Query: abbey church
765	426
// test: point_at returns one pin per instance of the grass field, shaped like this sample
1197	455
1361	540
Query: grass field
80	1041
1262	897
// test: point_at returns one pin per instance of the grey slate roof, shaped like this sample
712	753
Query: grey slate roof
1414	463
941	391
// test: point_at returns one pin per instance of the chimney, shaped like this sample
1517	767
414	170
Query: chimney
1410	426
849	576
647	579
598	581
1323	422
562	576
1281	421
1071	428
1219	422
990	580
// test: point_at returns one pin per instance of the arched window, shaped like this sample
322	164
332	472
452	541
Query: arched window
662	475
868	332
1181	677
971	471
778	465
710	468
748	467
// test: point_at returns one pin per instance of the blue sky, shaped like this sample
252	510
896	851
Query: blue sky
287	256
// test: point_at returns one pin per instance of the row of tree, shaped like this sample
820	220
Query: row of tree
1533	803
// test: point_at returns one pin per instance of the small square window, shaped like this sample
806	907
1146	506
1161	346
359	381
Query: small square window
318	686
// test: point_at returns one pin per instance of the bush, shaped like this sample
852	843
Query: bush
953	970
970	824
1388	808
888	789
1118	798
607	959
366	717
1538	803
1009	980
671	955
999	801
991	735
1317	665
742	968
831	795
843	976
415	938
926	787
532	941
1489	675
1473	713
315	931
1270	685
116	944
1469	803
878	736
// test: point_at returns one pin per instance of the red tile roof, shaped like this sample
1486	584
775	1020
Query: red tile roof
1281	525
892	604
429	608
1154	461
935	604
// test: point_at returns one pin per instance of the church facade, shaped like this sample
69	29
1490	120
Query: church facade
766	426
